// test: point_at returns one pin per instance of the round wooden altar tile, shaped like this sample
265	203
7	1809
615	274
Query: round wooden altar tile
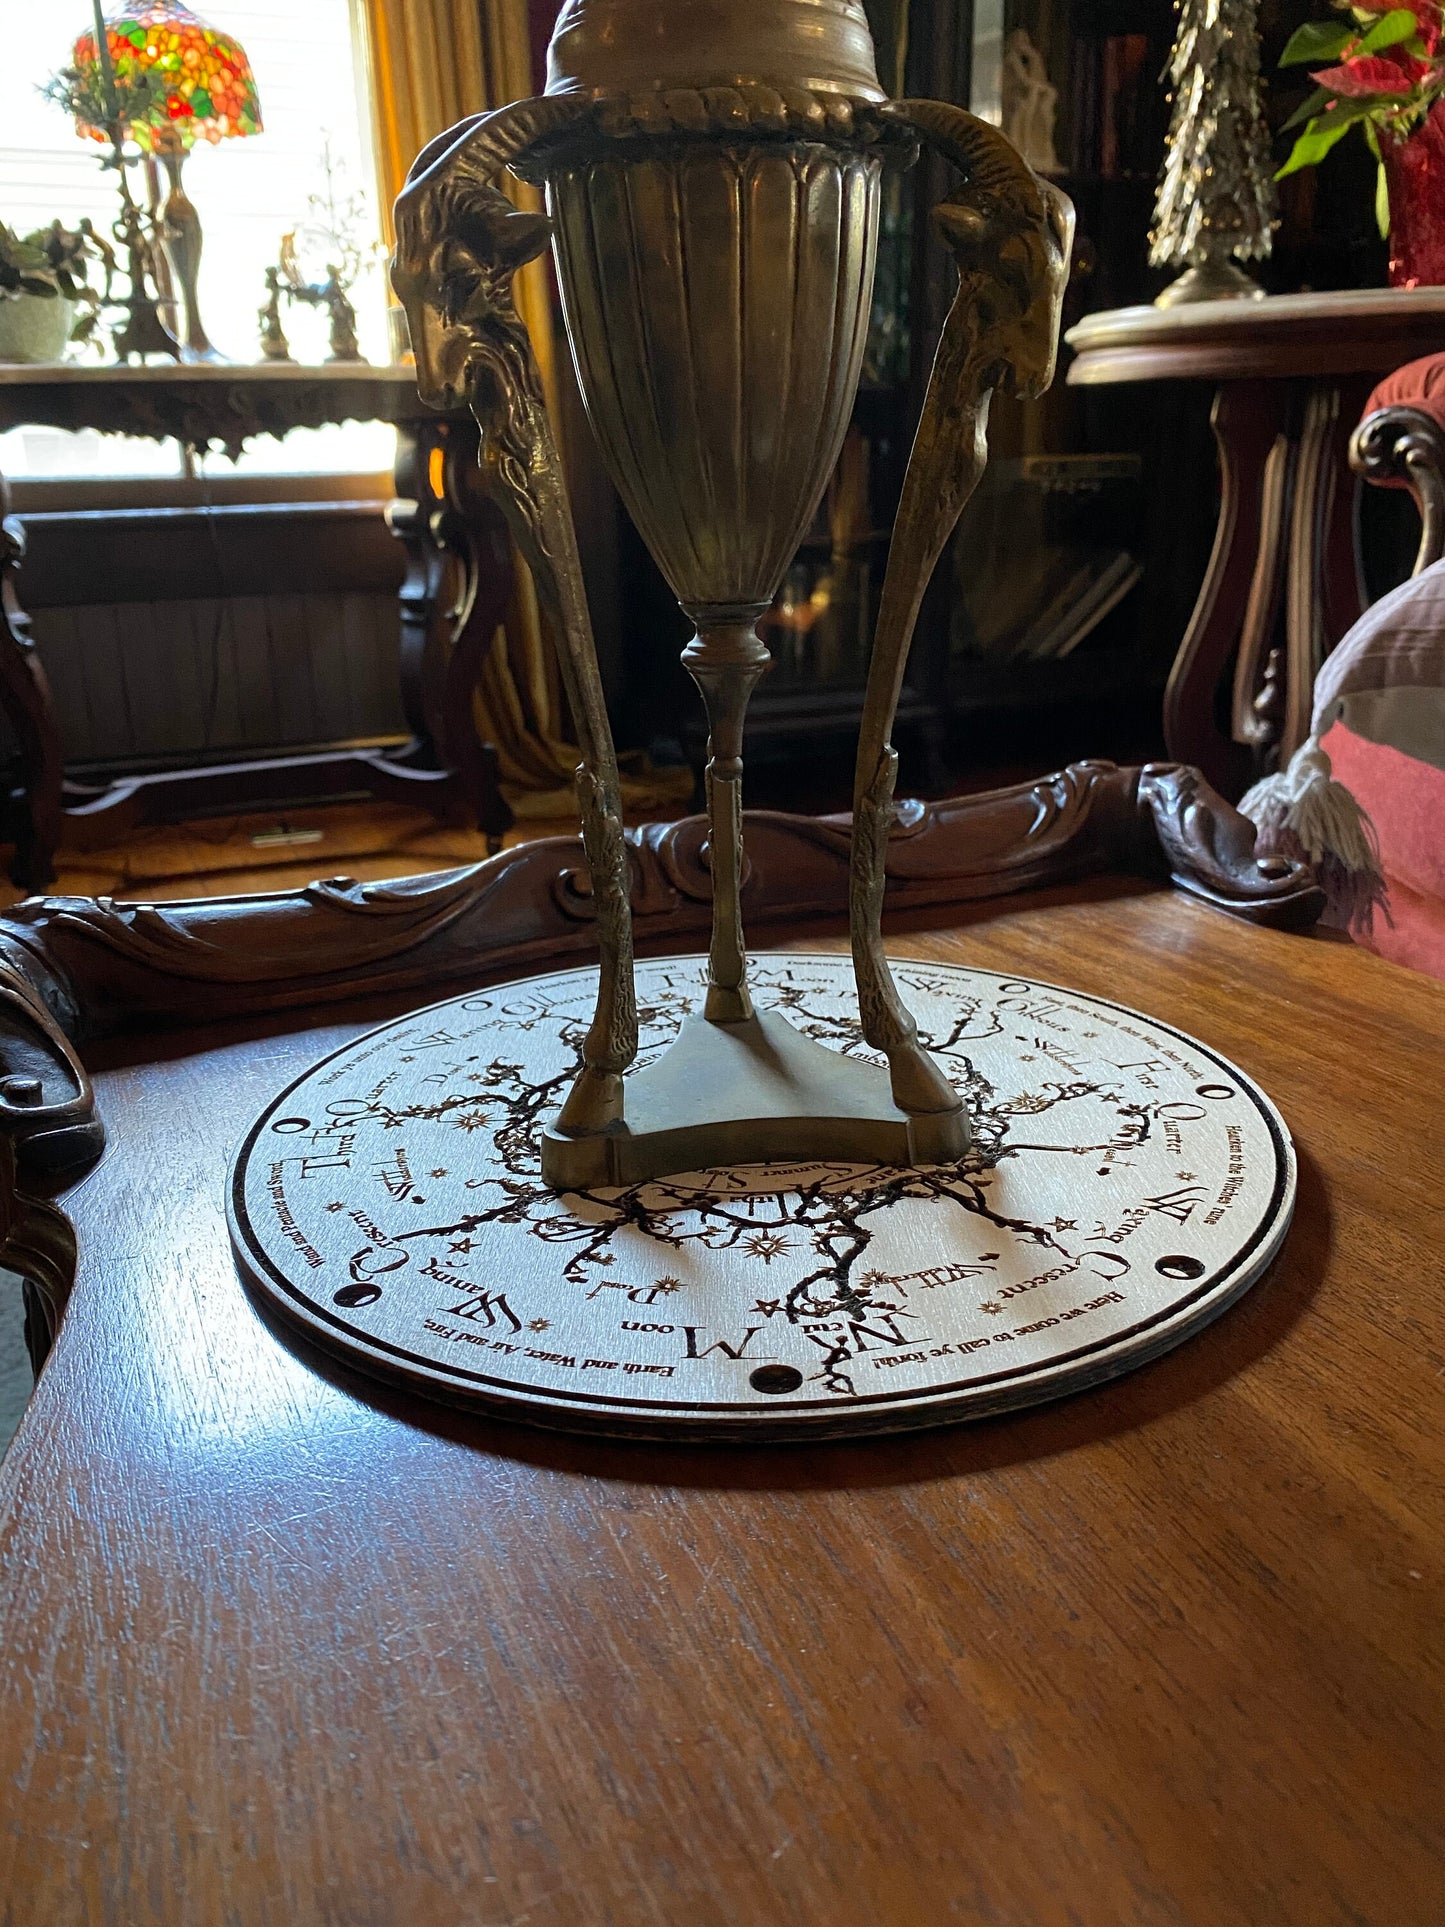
1125	1185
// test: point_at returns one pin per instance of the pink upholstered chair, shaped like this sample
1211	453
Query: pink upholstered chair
1377	742
1379	712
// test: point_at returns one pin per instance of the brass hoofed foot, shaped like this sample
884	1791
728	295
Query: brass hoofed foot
594	1103
919	1086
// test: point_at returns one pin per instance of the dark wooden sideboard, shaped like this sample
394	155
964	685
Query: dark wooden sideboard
457	583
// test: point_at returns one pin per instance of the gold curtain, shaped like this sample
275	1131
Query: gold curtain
432	63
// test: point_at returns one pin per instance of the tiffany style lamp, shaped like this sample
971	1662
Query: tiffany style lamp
177	81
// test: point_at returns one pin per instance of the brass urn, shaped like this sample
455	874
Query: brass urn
713	175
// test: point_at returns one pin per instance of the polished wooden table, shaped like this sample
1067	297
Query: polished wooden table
278	1646
1291	374
458	580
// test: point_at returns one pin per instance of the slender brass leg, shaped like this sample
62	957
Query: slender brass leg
542	524
948	458
470	342
1010	236
725	661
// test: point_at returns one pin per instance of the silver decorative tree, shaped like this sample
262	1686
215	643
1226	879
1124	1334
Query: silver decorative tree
1216	200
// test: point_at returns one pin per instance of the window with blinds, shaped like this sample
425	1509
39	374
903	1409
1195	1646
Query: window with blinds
307	56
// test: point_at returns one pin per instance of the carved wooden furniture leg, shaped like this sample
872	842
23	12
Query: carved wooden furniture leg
476	535
1258	699
1406	447
1003	327
25	697
448	534
1282	585
409	517
1323	596
1251	422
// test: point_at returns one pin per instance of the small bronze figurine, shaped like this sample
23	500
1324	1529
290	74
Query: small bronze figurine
338	304
274	345
288	279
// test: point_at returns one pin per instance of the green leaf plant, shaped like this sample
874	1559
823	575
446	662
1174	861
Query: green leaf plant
1387	73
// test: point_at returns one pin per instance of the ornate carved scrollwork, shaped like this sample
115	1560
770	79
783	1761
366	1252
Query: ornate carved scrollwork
1406	447
88	967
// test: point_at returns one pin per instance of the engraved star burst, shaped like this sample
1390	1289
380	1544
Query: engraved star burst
338	1206
767	1307
871	1280
471	1121
767	1245
990	1307
463	1245
439	1174
539	1324
665	1287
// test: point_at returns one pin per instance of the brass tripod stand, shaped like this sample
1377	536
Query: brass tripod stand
713	170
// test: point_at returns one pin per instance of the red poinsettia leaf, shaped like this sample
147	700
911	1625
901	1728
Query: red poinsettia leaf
1372	74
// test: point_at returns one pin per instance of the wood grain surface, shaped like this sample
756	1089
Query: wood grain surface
280	1647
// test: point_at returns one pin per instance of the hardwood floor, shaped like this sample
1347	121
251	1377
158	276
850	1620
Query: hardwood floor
238	855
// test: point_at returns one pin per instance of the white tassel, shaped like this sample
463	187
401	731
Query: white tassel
1305	814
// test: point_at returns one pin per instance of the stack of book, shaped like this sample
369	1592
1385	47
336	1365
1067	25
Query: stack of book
1041	556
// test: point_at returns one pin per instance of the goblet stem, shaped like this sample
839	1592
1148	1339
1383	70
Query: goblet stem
726	660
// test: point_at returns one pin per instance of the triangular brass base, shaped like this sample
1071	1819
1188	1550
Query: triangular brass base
757	1092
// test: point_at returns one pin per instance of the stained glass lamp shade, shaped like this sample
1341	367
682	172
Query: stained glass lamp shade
178	80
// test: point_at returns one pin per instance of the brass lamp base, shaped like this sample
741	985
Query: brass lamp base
755	1092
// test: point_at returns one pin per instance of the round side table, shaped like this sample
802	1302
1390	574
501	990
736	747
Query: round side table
1283	584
